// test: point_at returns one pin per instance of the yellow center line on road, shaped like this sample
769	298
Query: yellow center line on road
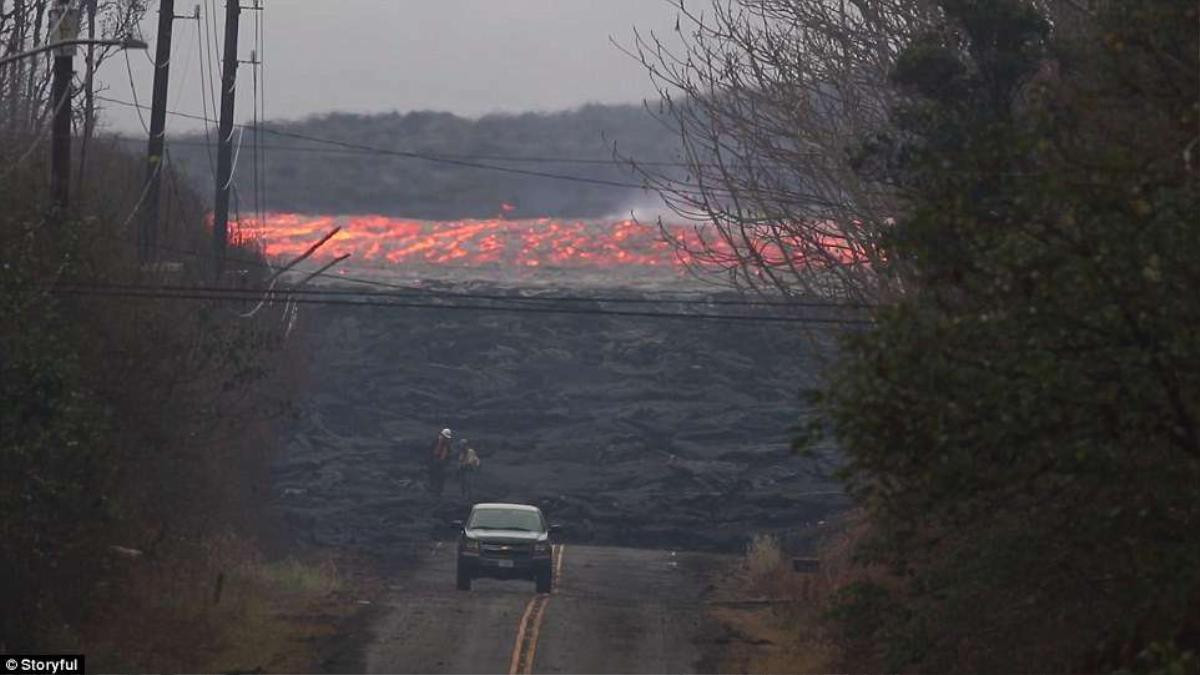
518	650
531	624
558	564
536	623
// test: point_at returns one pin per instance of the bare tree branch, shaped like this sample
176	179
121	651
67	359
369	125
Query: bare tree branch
770	99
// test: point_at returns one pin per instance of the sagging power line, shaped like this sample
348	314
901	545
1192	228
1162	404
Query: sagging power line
515	159
466	163
385	300
416	291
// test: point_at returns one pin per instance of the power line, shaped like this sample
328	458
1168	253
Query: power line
412	155
260	82
133	90
206	56
534	159
411	292
414	291
423	292
37	141
187	68
370	300
256	164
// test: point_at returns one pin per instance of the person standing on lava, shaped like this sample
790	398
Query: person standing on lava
438	460
468	464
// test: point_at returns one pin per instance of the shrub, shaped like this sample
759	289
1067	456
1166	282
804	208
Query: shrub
1021	426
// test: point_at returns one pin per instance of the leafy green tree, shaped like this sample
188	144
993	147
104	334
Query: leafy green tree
1022	426
53	433
125	443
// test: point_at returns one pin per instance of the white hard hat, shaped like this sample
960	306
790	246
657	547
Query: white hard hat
447	433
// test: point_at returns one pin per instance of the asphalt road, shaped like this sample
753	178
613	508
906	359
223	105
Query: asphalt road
613	610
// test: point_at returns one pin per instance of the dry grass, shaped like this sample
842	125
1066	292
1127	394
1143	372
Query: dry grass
295	576
773	617
764	560
226	610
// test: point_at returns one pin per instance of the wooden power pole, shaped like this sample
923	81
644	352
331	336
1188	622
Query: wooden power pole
225	137
148	227
65	17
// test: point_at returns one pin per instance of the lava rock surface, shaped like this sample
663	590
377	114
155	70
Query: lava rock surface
627	430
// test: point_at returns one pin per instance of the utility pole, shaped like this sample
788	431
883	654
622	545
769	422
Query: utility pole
148	227
64	16
89	90
225	136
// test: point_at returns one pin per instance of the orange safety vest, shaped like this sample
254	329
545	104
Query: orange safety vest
441	450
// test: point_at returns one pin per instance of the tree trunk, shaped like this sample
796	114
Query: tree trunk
89	94
15	44
35	114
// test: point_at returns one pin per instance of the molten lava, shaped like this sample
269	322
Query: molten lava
529	243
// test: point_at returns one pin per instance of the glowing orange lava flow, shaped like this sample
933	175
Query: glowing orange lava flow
540	242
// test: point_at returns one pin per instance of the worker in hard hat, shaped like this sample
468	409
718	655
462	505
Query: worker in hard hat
468	464
438	460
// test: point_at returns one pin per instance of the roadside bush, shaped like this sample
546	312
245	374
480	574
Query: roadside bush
53	432
1021	426
130	428
784	621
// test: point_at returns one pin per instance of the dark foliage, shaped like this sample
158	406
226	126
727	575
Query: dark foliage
1022	425
132	431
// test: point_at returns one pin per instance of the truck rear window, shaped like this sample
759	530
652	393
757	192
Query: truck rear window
504	519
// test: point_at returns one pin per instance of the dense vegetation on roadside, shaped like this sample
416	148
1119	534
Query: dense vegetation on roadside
134	437
134	431
1022	425
306	176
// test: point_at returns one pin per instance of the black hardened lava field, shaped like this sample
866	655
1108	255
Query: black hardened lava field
628	430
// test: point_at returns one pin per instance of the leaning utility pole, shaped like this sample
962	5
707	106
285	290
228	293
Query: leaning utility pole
148	227
225	137
66	19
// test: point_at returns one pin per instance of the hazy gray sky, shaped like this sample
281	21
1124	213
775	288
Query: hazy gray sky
465	56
